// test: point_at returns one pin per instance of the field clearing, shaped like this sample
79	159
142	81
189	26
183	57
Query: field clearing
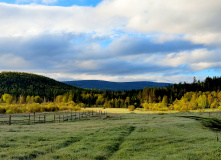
142	111
125	110
121	135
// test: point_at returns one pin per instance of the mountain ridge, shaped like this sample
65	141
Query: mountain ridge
21	83
115	86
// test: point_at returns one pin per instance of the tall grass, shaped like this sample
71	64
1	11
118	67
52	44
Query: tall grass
127	136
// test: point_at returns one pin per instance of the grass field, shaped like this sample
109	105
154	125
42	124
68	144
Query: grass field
141	110
118	136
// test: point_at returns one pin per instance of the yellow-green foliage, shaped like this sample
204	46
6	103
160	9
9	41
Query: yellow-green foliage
190	101
36	107
7	98
131	108
145	105
155	106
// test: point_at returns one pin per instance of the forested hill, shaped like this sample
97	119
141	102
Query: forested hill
17	83
115	86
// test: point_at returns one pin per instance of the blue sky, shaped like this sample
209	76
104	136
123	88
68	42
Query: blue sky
65	3
115	40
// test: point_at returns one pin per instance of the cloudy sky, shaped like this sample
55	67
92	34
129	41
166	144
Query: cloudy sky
115	40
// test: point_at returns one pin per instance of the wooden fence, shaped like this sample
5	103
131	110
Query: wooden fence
49	117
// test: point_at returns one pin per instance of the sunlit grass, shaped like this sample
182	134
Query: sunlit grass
126	110
142	111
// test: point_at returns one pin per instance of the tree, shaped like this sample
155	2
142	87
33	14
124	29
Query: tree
202	101
165	101
194	80
210	99
145	105
214	105
59	99
100	100
37	99
22	99
70	97
7	98
127	102
159	99
139	96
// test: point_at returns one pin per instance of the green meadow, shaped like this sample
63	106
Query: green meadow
117	136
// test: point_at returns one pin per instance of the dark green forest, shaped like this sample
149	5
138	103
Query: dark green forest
17	84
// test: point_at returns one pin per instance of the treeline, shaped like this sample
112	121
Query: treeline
190	101
198	100
23	88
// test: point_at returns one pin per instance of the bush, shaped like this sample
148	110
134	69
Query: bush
35	107
9	111
145	105
2	110
131	108
52	107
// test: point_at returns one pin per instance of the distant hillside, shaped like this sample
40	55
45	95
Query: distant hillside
17	83
114	86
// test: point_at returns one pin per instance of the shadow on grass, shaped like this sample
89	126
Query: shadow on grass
212	122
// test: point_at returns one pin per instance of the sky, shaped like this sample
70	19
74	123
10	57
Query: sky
114	40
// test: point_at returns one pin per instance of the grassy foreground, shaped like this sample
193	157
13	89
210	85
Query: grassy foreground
120	136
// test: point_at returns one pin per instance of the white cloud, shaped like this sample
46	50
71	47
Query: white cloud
197	20
52	33
49	1
198	59
209	38
204	65
10	61
25	20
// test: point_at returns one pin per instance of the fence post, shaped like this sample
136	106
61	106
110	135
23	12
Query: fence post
59	117
54	118
71	115
75	115
63	118
92	113
39	119
79	115
29	119
34	117
44	118
10	118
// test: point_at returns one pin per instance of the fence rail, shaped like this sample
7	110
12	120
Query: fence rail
48	117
